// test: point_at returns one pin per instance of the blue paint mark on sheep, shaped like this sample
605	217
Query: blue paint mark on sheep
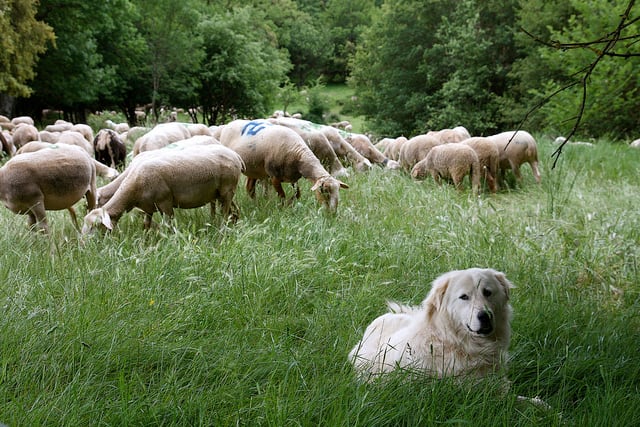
254	127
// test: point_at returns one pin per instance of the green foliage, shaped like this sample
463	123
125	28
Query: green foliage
22	39
196	323
242	71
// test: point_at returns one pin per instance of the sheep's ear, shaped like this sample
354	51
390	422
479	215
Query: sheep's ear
342	184
433	302
506	284
106	220
318	183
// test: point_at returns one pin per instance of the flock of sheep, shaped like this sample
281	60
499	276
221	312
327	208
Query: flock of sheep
184	165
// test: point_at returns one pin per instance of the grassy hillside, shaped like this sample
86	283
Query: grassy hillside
195	323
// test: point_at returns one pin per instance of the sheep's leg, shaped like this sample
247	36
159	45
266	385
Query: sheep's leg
277	184
251	187
297	188
536	172
74	218
38	218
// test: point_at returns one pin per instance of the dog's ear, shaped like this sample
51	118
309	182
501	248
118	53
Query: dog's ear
506	284
433	302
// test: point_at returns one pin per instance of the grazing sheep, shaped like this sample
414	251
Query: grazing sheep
279	153
392	150
635	144
416	149
561	139
101	169
197	129
84	130
516	148
110	149
50	137
51	179
24	133
457	134
22	120
321	147
451	162
159	136
364	146
59	126
489	158
340	146
186	179
75	138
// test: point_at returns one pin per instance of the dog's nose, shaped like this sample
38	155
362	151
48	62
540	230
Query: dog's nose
486	325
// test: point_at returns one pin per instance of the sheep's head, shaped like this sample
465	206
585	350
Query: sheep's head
96	218
327	190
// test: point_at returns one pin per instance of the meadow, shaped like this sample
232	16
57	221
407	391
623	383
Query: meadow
200	323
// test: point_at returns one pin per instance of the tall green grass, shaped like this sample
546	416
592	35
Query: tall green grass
196	323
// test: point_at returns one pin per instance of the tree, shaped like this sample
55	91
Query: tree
242	69
22	39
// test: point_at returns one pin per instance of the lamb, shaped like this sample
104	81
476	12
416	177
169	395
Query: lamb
186	179
279	153
24	133
489	158
110	149
160	136
364	146
52	179
450	161
101	169
416	149
516	148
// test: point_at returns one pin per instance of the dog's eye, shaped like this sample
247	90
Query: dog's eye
486	292
464	297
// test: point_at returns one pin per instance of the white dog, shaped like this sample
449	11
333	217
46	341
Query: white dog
461	328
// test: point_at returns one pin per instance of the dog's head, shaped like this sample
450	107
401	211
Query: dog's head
474	301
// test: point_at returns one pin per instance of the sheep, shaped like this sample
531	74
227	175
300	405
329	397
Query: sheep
107	191
109	149
51	137
392	150
416	149
635	144
279	153
84	130
561	139
197	129
101	169
160	136
450	161
118	127
51	179
59	126
321	147
24	133
489	158
364	146
516	148
186	179
340	146
75	138
457	134
22	120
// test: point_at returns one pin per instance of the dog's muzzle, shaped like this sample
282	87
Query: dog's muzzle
485	320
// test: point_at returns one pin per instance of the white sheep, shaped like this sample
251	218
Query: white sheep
457	134
635	144
51	179
561	139
22	120
101	169
451	162
186	178
364	146
516	148
416	149
24	133
160	136
59	126
76	138
279	153
392	150
319	144
489	158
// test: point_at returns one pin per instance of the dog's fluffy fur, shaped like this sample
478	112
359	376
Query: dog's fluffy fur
461	328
